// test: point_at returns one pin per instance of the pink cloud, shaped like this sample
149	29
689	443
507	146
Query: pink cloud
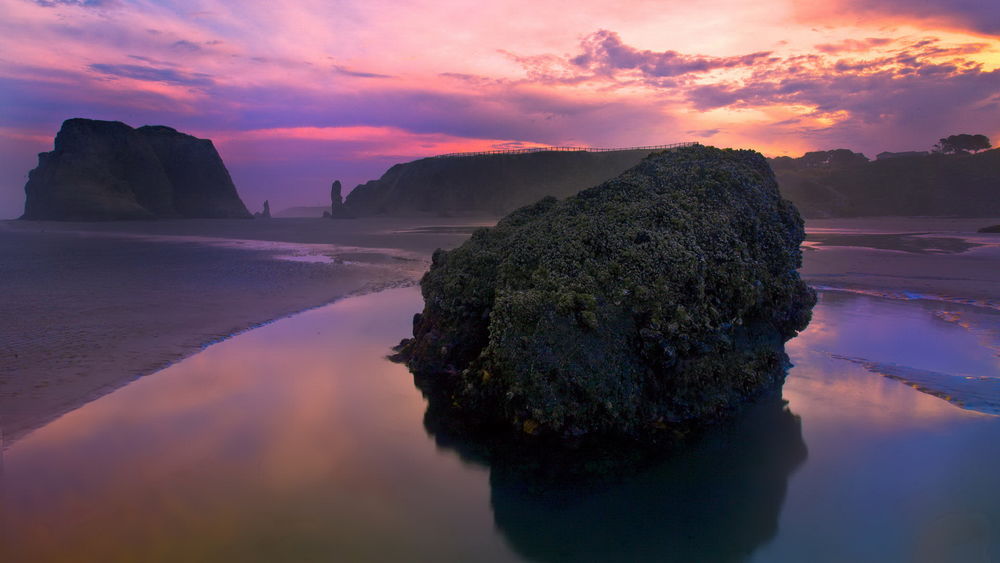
981	16
605	53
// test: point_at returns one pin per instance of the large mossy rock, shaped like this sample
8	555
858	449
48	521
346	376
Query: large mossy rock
659	298
106	170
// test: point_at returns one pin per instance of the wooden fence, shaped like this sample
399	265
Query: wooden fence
565	149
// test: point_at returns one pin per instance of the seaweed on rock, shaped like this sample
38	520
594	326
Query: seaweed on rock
658	299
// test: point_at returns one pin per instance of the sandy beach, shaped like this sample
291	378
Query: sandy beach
904	257
89	307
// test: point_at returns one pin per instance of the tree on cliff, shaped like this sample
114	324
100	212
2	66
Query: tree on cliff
962	143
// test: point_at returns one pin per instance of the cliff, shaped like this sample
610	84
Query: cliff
485	185
917	184
106	170
836	183
660	298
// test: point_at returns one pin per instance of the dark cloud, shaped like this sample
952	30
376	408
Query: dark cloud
154	74
605	53
357	73
185	45
704	133
152	61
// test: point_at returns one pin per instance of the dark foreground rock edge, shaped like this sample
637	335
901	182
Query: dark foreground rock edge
106	170
638	309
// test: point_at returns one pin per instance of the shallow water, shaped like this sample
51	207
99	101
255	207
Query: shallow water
298	441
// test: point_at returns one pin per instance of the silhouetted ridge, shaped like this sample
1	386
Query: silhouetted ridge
844	184
834	183
486	184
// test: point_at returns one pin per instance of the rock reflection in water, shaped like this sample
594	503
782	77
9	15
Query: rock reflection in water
716	497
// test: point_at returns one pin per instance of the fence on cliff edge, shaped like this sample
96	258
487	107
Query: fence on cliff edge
566	149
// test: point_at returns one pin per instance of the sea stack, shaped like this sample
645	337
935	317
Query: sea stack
657	300
264	213
106	170
337	208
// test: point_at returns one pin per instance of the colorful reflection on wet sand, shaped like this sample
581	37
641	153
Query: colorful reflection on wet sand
299	441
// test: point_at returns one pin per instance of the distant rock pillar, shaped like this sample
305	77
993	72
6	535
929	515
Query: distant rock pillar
337	208
336	198
266	213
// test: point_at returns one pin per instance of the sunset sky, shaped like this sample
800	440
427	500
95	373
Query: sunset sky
297	94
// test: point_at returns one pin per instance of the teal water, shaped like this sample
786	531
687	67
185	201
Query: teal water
298	441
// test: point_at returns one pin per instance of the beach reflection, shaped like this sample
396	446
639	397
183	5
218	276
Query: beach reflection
716	498
300	441
296	441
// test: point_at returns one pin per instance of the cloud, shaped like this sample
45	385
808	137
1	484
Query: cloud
605	53
982	16
854	45
357	73
153	74
704	133
871	92
80	3
152	61
184	45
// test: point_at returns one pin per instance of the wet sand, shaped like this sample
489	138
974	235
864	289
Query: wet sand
88	307
300	441
905	258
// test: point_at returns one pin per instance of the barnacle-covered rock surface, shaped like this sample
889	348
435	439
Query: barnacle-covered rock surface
657	299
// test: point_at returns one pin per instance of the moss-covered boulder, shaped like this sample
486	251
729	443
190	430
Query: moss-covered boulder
659	298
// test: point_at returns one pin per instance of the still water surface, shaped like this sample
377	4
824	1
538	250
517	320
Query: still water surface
298	441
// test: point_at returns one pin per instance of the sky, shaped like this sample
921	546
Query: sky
296	94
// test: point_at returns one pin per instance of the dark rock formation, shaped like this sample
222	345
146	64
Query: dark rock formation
337	208
486	185
104	170
832	183
201	184
656	300
265	213
990	229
